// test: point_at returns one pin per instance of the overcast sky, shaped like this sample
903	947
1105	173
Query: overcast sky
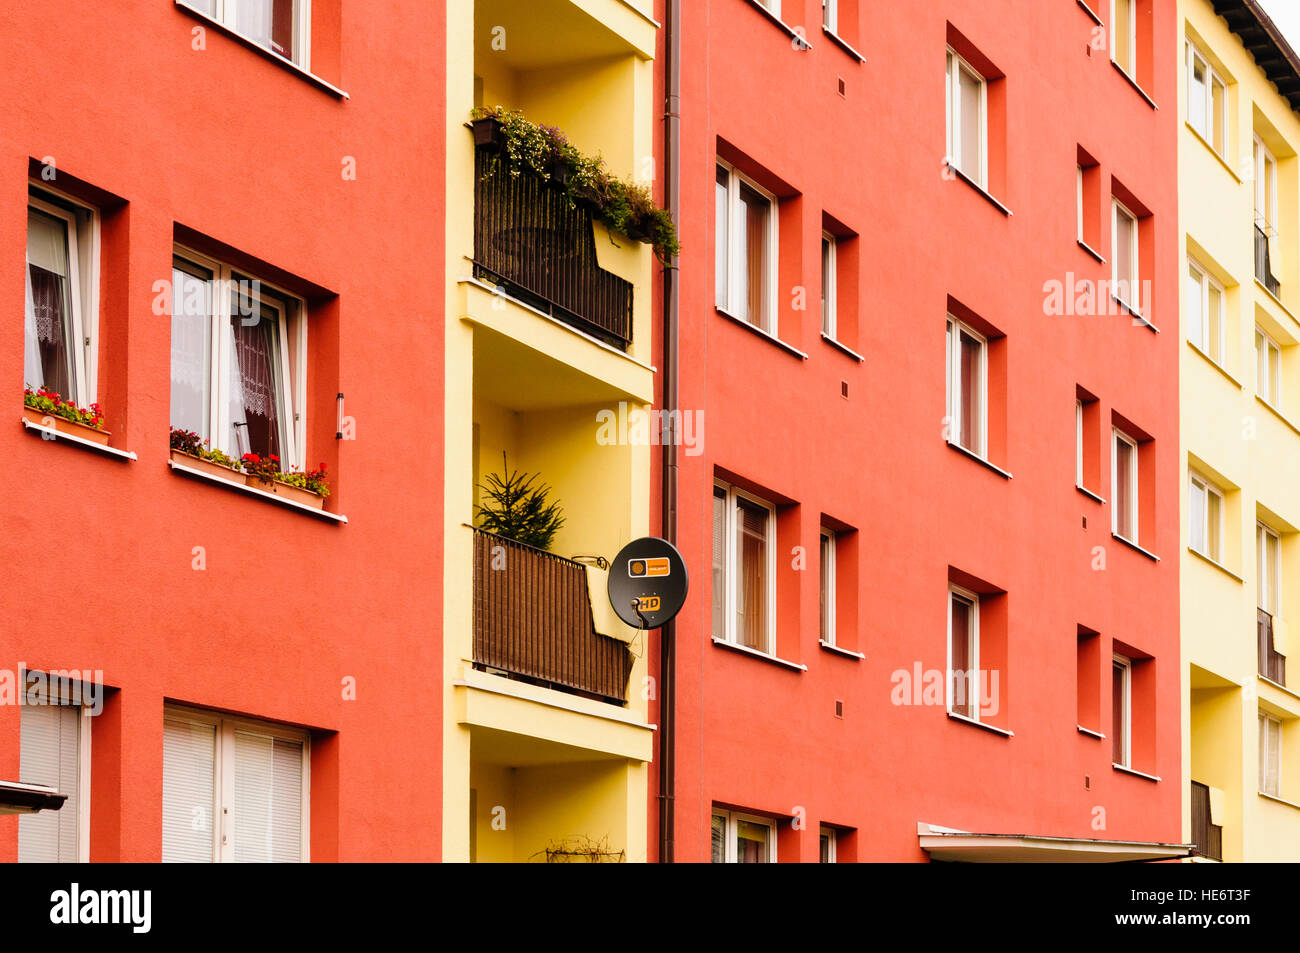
1286	14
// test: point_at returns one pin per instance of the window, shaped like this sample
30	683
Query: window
826	845
1265	188
1206	100
828	604
237	361
233	790
746	245
60	326
1205	512
830	256
967	102
1078	200
743	839
963	652
1205	323
831	15
1268	368
744	575
1124	486
54	750
967	387
1270	755
1078	442
1123	36
1121	695
1124	277
1268	555
281	26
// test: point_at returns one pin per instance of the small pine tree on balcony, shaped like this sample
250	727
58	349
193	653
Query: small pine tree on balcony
517	507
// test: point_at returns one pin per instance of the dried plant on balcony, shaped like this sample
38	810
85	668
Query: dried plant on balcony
581	850
544	151
519	508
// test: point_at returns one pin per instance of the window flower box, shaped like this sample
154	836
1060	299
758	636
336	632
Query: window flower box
306	489
488	134
210	467
73	428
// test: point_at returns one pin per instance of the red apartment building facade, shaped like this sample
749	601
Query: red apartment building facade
262	661
952	465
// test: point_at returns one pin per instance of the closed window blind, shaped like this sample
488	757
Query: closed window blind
50	742
189	791
268	799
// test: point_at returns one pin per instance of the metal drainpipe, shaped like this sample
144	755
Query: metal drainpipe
668	634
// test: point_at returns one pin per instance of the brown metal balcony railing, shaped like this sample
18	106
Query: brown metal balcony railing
532	620
529	237
1207	837
1272	663
1264	264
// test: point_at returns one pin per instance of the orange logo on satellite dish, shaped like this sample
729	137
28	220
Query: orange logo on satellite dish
649	603
642	568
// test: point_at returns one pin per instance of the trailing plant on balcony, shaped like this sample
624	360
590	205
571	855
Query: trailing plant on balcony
545	152
47	402
519	508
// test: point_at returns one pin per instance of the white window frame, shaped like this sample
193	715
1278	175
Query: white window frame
225	12
829	834
826	544
973	699
731	839
1265	188
1194	55
85	719
293	357
1117	209
736	263
223	776
1206	488
831	16
956	328
731	570
1263	366
1078	442
1125	730
1203	342
1117	436
1130	69
1078	200
84	289
830	286
956	63
1266	719
1268	587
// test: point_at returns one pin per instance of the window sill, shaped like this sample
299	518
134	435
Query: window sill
1282	688
978	459
1090	733
843	44
182	470
1092	14
988	196
843	348
1216	564
1089	494
1215	364
282	61
755	653
1279	800
1134	772
848	653
1275	299
58	436
1090	250
1134	83
1132	545
765	335
1278	414
1005	733
791	31
1214	152
1134	313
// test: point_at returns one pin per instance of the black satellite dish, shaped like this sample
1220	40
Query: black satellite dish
648	582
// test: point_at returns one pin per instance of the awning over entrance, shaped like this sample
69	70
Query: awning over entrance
18	798
947	844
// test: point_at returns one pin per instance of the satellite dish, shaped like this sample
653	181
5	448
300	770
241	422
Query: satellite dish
648	582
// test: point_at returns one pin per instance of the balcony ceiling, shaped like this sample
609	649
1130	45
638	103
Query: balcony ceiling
543	33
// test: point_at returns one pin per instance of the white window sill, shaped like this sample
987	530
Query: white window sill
182	470
1134	83
843	44
1134	313
58	436
981	724
765	335
281	61
1278	414
1090	250
1215	563
1214	152
794	34
1282	688
1279	800
1090	733
1134	772
988	196
978	459
755	653
1089	494
1132	545
1275	299
1215	364
839	651
1092	14
843	348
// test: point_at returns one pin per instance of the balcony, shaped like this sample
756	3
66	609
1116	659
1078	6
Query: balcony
1272	663
1264	264
1207	836
541	249
533	622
